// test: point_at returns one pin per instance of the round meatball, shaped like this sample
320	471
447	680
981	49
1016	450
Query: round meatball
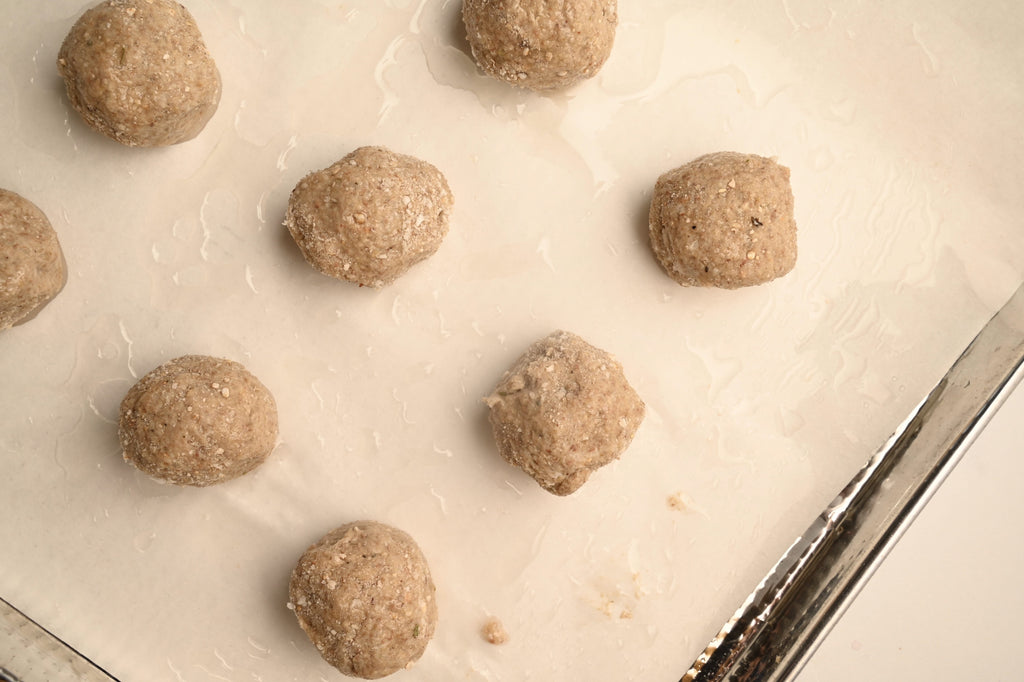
32	267
197	421
364	596
371	216
562	411
724	220
139	72
541	44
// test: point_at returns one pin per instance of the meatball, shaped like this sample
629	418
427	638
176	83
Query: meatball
139	72
724	220
371	216
32	267
364	596
197	421
541	44
562	411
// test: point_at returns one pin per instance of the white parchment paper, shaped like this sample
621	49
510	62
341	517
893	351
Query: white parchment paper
899	121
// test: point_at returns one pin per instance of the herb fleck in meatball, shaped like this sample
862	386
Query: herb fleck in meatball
541	44
197	421
32	267
564	410
724	220
364	596
371	216
139	72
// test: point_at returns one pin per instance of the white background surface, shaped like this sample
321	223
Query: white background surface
946	603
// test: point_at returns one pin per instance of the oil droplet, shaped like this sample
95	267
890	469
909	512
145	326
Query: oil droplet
131	345
808	15
929	60
262	651
389	59
414	22
177	673
440	499
544	249
143	541
248	279
222	660
282	158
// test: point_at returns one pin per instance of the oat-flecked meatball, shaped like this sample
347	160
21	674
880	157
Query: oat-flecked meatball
364	596
198	420
564	410
724	220
541	44
371	216
32	267
139	72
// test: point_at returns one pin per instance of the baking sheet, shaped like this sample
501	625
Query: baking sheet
899	125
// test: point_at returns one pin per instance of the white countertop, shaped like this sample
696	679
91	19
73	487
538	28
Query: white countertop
950	585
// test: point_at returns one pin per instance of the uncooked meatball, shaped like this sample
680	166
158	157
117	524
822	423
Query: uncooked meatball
564	410
139	72
32	267
371	216
541	44
364	596
724	220
198	420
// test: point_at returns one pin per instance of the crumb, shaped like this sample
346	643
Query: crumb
494	632
676	502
